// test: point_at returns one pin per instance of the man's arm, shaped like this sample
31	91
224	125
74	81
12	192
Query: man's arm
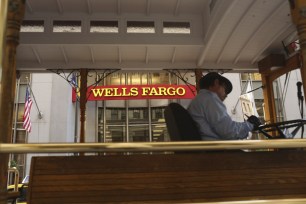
223	124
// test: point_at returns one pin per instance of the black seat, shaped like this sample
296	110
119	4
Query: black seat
180	125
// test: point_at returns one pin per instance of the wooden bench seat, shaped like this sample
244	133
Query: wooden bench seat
172	178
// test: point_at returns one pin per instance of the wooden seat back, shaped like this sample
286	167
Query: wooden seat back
172	178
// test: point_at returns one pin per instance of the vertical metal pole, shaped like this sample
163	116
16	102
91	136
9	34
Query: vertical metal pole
76	122
104	111
16	111
83	100
15	12
150	113
127	129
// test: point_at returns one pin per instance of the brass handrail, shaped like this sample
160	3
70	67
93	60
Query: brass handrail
272	201
151	146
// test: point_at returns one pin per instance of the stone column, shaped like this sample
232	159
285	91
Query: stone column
15	13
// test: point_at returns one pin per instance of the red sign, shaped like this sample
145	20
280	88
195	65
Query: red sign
134	92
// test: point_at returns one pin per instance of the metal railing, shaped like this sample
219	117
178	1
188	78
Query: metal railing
272	201
152	146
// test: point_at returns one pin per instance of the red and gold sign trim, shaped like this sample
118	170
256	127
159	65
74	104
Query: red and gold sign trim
134	92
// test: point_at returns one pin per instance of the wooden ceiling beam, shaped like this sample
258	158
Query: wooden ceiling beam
235	31
222	10
266	22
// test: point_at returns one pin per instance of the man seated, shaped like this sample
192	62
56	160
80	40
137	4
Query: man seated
210	114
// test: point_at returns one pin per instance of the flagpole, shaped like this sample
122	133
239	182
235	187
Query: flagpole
40	114
255	89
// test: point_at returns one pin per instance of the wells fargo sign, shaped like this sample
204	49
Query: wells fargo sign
134	92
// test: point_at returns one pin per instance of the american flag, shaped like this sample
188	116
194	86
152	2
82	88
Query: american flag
74	81
27	109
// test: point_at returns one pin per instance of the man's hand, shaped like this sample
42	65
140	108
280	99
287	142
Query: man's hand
255	121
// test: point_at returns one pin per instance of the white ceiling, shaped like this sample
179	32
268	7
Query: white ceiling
234	35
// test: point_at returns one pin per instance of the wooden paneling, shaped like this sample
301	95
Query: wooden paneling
173	178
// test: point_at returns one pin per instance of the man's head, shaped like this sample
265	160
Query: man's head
216	83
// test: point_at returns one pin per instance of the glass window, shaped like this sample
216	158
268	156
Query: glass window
173	79
134	78
115	115
157	114
115	134
244	77
100	125
260	107
115	79
138	115
258	92
144	78
115	103
139	133
160	133
159	102
252	76
136	111
100	115
160	78
100	133
137	78
138	103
